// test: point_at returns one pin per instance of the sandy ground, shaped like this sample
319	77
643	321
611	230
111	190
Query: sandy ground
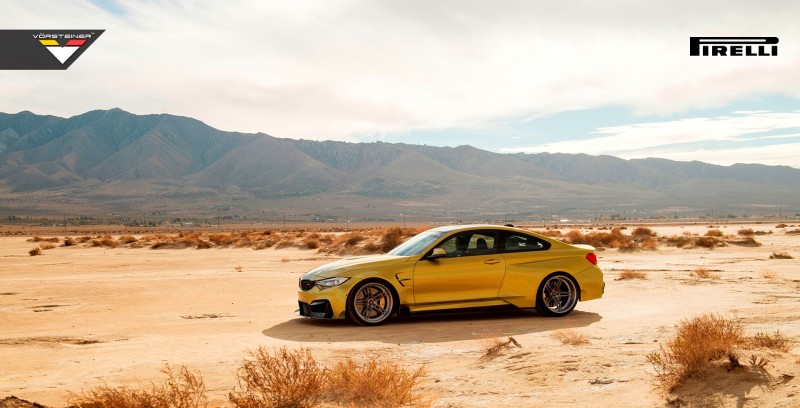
76	318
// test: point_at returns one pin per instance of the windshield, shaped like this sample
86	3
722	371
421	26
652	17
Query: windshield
417	244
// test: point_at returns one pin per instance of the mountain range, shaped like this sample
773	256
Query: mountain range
112	160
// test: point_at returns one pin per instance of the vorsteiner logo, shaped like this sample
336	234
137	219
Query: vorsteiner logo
733	46
43	49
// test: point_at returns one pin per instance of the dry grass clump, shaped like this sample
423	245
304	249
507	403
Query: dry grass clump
46	245
181	389
793	232
678	241
629	274
613	239
373	384
105	241
571	337
642	233
279	379
40	239
780	255
704	273
35	251
776	341
496	346
697	344
714	233
746	231
284	378
127	239
747	241
709	242
768	274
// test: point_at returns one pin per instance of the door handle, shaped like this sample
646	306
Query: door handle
491	261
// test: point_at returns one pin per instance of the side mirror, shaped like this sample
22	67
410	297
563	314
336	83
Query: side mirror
437	253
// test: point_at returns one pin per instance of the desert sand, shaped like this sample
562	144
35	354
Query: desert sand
76	318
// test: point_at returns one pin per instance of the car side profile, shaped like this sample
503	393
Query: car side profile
455	267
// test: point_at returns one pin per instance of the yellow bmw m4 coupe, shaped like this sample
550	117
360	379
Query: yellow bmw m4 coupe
455	267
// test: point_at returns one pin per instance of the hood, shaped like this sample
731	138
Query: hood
341	266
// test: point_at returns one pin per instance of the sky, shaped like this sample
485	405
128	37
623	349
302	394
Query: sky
595	77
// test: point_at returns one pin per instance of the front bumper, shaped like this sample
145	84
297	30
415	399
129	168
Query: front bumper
328	303
318	309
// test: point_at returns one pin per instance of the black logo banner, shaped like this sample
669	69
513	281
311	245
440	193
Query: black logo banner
44	49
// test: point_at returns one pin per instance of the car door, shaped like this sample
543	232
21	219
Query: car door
471	270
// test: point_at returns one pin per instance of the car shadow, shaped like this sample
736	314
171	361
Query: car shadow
434	328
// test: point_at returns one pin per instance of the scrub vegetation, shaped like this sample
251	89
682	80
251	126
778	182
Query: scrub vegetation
273	379
708	341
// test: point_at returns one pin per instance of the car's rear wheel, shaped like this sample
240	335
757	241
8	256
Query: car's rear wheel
370	303
557	295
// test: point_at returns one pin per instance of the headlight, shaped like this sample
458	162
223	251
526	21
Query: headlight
331	282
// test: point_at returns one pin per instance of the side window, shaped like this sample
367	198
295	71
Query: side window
516	242
470	243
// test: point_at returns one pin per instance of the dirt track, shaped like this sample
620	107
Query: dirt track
75	318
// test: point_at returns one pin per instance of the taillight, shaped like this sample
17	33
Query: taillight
591	257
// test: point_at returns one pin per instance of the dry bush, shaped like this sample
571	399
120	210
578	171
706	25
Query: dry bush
203	244
68	242
780	255
748	241
640	233
312	242
182	389
613	239
708	242
373	247
392	237
768	274
704	273
221	239
678	241
576	237
551	233
278	379
746	231
35	251
496	346
793	232
105	242
698	342
353	238
629	274
776	341
127	239
47	245
40	239
373	384
781	225
714	233
571	337
284	378
650	243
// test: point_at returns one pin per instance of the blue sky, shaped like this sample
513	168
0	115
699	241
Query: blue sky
611	77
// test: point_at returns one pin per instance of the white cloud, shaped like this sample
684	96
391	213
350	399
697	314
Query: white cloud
679	139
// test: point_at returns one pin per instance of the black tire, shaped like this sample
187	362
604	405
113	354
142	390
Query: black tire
371	303
557	295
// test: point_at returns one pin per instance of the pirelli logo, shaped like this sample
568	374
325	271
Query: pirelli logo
733	46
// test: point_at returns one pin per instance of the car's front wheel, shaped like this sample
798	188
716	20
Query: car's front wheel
557	295
370	303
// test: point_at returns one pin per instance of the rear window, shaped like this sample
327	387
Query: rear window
516	242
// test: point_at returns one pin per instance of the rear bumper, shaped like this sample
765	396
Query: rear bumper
592	284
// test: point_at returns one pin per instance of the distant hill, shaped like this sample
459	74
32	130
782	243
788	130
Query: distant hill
118	161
